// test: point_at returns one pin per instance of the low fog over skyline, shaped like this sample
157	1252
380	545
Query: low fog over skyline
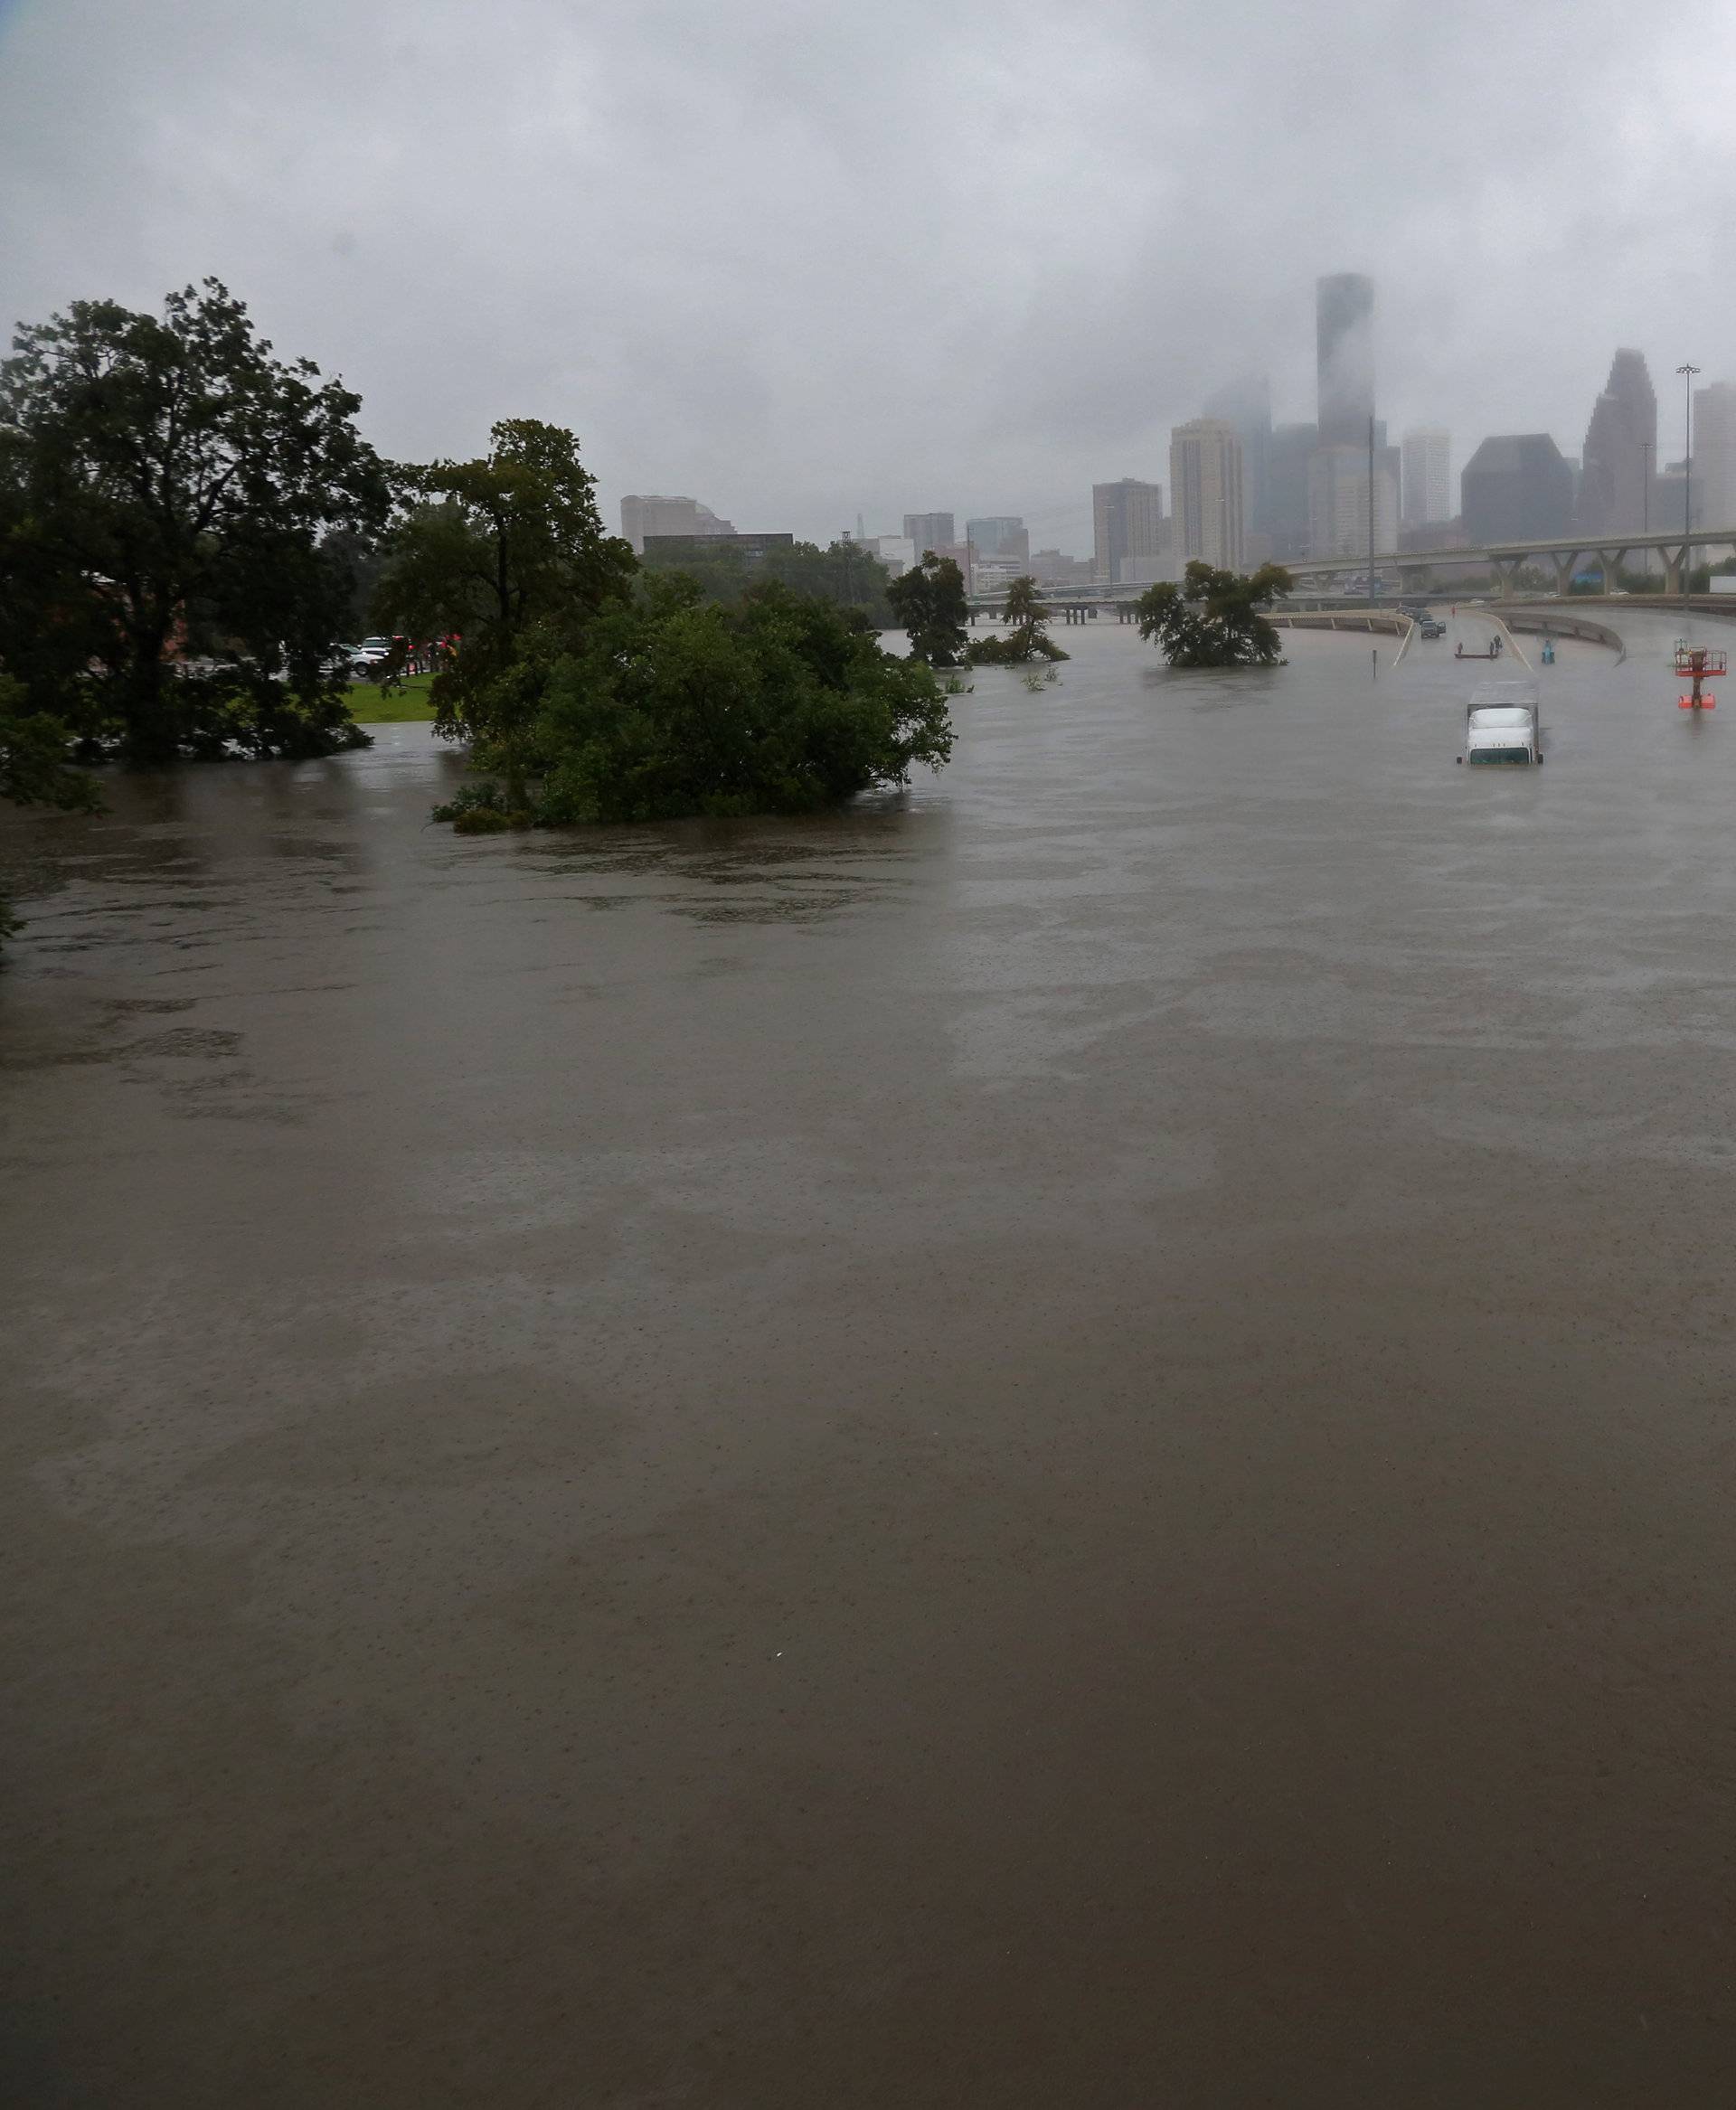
805	262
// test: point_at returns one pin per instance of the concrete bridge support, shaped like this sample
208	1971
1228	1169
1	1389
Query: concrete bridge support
1507	576
1566	564
1674	559
1609	565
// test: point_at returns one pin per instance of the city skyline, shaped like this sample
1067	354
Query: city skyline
1303	490
579	249
1303	495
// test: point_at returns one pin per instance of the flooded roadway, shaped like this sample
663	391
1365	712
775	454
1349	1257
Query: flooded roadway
1063	1442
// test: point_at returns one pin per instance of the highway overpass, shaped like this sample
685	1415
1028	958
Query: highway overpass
1414	569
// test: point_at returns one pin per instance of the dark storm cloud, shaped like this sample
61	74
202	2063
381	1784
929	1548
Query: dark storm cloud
801	260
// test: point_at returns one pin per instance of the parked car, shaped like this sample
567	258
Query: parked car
372	652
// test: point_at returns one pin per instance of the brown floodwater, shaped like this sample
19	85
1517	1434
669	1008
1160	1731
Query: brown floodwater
1065	1441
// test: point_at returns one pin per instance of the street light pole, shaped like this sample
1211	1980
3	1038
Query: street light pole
1687	373
1647	450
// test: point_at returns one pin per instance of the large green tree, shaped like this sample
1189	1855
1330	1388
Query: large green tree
500	555
166	484
675	705
33	766
1027	636
1213	619
929	603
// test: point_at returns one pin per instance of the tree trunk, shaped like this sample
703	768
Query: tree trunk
152	730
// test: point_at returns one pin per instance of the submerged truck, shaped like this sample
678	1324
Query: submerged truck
1500	724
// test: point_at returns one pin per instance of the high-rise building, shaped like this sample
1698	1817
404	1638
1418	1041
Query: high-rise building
898	553
643	515
1343	321
1056	568
1205	492
930	531
1247	404
1620	445
1000	535
1671	497
1428	476
1287	466
751	549
1714	455
1338	500
1127	519
1515	486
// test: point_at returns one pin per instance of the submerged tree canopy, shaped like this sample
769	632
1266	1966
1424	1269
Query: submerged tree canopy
929	603
1027	636
33	767
673	705
166	489
1213	619
505	556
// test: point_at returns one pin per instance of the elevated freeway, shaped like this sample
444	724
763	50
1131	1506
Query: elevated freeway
1414	568
1505	561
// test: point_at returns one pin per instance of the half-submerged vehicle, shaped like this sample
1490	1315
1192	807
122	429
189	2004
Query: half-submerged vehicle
1502	727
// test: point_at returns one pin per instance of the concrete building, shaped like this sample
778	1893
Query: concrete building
1128	524
898	553
1671	499
678	550
1621	449
1000	535
1714	455
1057	568
1427	478
1292	446
1343	322
1205	492
1516	486
930	531
1247	404
1338	509
648	514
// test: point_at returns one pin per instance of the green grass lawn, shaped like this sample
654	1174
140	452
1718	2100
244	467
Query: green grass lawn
409	706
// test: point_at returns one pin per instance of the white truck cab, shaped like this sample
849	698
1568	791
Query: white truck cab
1500	724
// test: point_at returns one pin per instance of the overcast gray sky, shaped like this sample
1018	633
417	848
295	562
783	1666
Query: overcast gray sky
801	260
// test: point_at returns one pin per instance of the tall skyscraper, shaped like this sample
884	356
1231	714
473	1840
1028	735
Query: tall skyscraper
1516	484
1338	511
1128	518
647	514
1247	404
929	530
1205	492
1714	455
1343	321
1287	463
1428	477
1000	535
1620	441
